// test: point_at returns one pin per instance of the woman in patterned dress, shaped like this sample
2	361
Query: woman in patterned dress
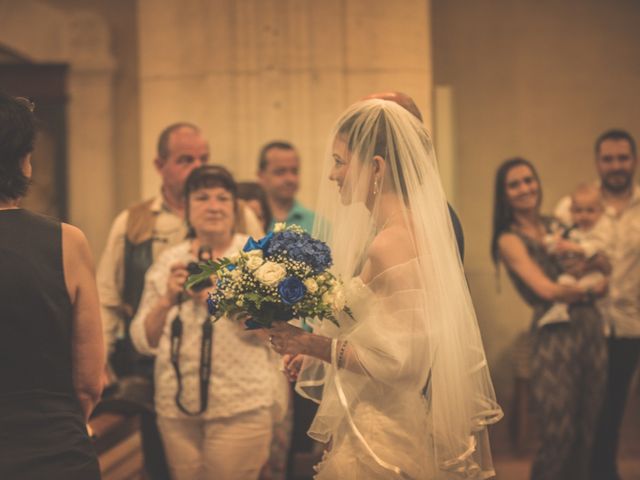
568	360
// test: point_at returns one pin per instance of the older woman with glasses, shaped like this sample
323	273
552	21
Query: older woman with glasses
216	384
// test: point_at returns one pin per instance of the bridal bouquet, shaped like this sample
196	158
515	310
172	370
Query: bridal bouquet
279	277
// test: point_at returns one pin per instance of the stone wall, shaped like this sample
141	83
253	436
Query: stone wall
252	71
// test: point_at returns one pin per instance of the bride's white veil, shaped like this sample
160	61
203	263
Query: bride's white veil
437	345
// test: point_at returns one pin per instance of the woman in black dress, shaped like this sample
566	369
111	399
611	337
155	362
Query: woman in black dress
51	347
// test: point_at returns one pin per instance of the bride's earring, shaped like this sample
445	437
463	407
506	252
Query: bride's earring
375	187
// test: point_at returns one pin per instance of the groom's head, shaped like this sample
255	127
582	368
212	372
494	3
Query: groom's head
402	99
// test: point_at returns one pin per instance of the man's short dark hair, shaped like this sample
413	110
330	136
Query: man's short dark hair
262	159
163	139
17	138
616	134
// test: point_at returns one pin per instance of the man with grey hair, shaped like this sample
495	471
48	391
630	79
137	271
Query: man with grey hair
138	236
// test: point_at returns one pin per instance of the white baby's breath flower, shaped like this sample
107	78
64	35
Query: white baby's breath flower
235	274
254	262
270	273
311	284
278	227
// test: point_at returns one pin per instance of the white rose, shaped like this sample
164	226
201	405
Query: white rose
255	253
270	273
253	263
234	258
311	284
278	227
335	298
235	274
327	298
339	300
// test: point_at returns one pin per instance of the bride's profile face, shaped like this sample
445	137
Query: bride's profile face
349	174
340	169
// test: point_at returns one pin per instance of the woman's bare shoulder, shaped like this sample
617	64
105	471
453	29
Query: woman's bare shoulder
509	242
391	247
75	250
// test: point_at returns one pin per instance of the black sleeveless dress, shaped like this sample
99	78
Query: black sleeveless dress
42	430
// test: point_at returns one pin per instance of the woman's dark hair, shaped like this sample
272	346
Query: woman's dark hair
208	176
502	211
253	191
17	138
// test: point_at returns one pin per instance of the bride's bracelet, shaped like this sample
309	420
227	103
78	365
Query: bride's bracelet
340	360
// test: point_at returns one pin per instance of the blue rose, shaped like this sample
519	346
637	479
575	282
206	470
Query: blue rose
291	290
261	244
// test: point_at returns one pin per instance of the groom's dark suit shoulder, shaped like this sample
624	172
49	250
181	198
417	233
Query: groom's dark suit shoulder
457	229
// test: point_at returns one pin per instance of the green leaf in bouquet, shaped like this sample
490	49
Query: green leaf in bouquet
332	319
207	269
348	311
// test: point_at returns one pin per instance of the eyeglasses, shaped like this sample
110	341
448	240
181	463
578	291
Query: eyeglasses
26	102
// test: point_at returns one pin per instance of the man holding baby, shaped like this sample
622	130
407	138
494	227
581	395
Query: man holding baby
608	214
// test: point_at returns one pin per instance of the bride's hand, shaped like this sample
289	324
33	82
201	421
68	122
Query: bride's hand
292	364
287	339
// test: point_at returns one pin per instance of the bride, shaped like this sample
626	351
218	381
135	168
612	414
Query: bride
403	386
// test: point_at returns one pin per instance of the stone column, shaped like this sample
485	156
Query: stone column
82	41
91	163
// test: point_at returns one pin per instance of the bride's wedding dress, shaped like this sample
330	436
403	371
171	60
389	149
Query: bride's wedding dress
386	401
381	427
407	394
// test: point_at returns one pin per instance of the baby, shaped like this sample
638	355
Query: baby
584	239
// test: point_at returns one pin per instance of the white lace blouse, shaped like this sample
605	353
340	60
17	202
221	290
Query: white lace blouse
244	371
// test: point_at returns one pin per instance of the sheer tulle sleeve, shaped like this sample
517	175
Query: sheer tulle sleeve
388	344
383	359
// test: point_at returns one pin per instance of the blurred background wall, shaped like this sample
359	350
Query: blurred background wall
539	79
252	71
